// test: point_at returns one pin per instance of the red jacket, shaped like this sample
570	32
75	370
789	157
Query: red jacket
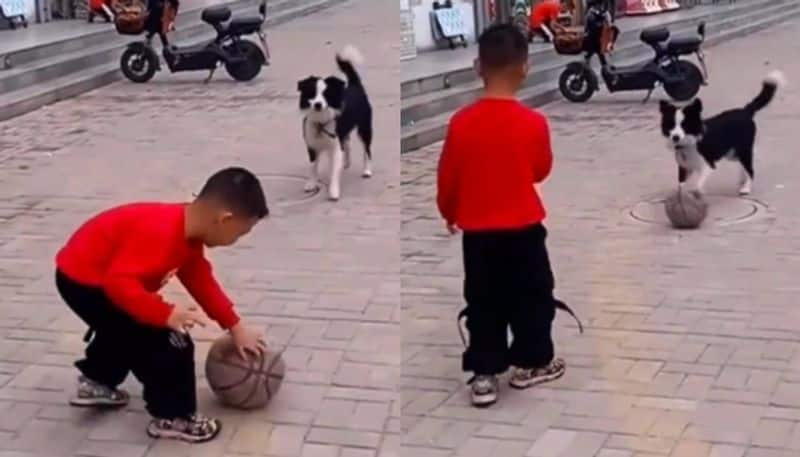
131	251
494	153
543	12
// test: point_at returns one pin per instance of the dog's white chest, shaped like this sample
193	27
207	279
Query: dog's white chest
320	137
688	158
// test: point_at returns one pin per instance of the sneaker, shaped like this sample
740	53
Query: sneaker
91	393
484	390
529	377
193	429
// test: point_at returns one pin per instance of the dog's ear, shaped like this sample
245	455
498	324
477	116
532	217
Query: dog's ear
666	107
694	108
304	84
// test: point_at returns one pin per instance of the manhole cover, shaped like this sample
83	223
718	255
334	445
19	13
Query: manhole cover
722	210
285	190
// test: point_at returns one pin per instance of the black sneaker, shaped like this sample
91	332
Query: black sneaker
484	390
91	393
529	377
193	429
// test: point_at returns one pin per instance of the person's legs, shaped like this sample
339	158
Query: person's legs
107	358
165	367
547	32
532	311
486	354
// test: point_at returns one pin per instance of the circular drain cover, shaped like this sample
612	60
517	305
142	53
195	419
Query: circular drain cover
285	190
722	210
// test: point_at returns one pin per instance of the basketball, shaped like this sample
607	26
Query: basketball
243	384
686	210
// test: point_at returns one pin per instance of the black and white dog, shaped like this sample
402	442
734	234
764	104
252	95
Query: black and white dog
700	143
332	109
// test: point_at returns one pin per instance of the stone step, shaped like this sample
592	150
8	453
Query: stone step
544	88
81	71
542	53
429	104
92	54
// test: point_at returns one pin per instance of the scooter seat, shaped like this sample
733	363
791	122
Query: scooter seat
215	15
245	25
654	35
684	45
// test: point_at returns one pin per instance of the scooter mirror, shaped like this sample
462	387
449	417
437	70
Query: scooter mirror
262	9
701	29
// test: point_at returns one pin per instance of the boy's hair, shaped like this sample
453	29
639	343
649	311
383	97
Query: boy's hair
502	45
238	190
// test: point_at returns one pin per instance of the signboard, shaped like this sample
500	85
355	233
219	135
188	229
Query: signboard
408	47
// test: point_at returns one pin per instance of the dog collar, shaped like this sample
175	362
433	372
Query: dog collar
321	129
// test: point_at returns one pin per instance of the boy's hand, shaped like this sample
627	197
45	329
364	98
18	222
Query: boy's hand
452	228
247	340
183	318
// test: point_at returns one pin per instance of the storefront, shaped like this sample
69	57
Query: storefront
417	29
14	7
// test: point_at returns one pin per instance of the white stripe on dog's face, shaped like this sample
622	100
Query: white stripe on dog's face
318	103
676	135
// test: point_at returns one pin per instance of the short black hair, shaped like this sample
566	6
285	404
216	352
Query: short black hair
238	190
502	45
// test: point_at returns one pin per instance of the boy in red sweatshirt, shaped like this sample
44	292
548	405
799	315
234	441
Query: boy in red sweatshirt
496	150
109	273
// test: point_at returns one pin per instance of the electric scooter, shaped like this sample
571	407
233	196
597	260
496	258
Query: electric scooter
242	58
680	78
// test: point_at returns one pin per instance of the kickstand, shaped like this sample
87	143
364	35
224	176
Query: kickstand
647	97
210	75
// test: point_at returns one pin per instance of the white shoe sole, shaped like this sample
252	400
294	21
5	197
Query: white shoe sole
97	402
485	400
176	435
536	381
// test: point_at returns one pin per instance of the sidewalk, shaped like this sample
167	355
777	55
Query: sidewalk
320	278
691	343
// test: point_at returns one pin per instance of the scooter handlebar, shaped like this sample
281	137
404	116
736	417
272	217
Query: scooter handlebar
701	30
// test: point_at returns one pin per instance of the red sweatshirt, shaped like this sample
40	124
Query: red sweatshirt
494	152
544	12
131	251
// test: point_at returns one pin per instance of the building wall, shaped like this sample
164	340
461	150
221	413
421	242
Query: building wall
423	35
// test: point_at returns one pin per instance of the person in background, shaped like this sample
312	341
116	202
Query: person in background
543	16
596	19
101	8
158	10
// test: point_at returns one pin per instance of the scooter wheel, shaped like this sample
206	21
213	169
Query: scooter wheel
250	67
139	64
575	85
691	80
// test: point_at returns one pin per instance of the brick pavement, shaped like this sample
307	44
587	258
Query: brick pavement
691	341
320	278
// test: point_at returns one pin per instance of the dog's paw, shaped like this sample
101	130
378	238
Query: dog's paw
744	191
311	186
366	173
333	194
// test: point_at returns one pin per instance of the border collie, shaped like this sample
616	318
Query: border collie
700	143
332	109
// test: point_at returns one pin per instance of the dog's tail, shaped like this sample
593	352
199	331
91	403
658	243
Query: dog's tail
347	59
770	85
